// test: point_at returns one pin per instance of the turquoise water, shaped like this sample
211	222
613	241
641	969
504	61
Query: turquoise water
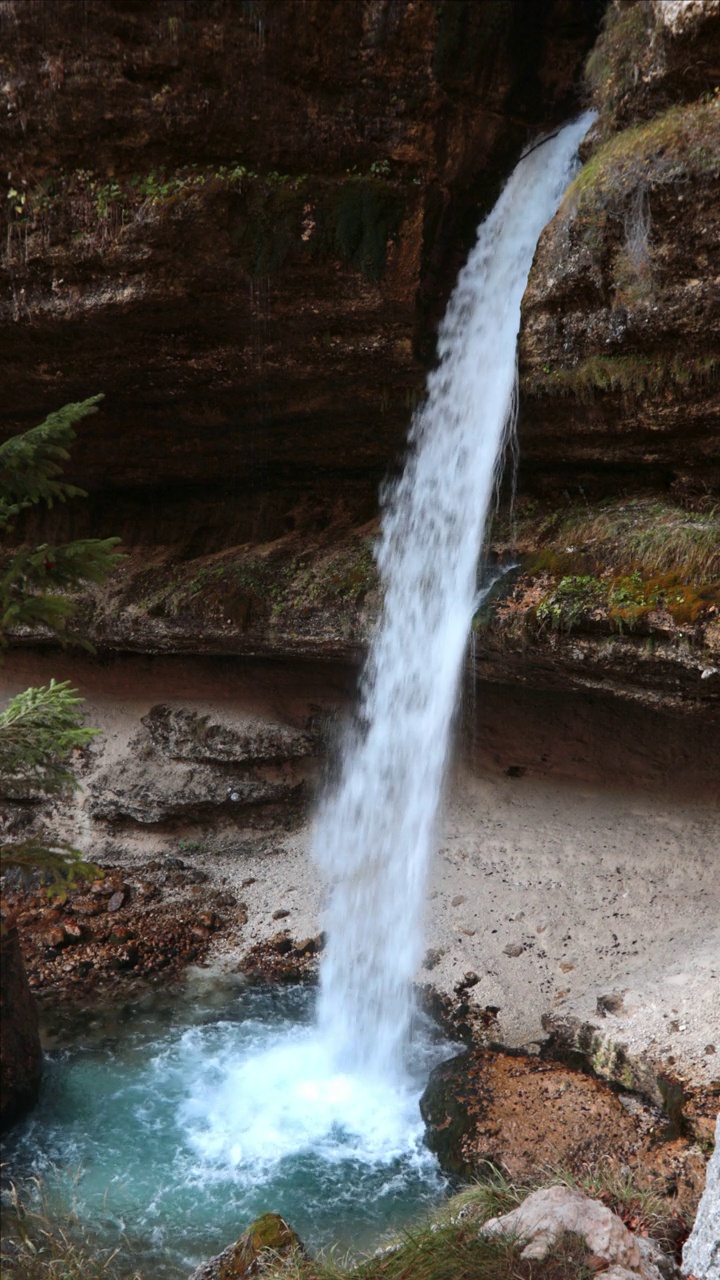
172	1124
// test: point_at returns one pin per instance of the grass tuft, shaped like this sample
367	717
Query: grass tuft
631	375
37	1246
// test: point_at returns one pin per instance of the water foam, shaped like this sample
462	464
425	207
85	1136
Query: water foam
375	830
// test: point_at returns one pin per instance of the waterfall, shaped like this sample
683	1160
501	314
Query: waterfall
374	832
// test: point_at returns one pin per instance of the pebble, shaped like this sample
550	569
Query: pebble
73	931
117	901
513	949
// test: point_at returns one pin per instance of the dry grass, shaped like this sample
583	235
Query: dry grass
632	535
446	1247
36	1245
652	537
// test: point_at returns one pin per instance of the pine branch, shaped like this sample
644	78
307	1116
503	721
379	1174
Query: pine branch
61	866
31	463
33	573
39	729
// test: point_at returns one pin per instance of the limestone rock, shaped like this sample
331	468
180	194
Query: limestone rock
547	1213
265	1240
20	1053
701	1255
185	735
182	765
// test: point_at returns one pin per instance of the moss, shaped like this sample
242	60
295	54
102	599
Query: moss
627	601
633	376
682	142
611	70
246	588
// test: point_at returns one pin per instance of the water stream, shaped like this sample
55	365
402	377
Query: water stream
375	831
179	1130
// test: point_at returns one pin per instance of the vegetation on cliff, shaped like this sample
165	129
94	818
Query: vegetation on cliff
42	727
272	218
622	566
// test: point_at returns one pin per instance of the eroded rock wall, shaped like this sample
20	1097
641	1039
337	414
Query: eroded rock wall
241	221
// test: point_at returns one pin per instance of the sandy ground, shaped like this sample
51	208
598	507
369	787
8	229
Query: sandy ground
554	896
554	893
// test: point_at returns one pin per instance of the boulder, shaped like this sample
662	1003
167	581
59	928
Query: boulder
548	1213
20	1052
266	1240
522	1113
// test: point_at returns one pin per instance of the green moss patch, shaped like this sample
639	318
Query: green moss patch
611	69
682	142
626	602
631	376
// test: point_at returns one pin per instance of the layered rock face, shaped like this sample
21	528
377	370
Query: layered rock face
241	222
620	351
617	531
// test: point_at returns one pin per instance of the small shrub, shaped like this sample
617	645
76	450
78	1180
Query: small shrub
573	598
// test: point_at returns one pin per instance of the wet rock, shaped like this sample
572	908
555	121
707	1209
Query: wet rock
432	957
582	1044
546	1214
521	1113
127	958
20	1053
279	959
120	935
307	947
280	914
257	1250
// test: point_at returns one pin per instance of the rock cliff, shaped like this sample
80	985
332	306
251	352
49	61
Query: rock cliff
241	222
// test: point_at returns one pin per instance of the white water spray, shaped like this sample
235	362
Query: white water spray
375	831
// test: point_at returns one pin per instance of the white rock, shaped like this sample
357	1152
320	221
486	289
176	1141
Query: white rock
678	15
701	1255
545	1214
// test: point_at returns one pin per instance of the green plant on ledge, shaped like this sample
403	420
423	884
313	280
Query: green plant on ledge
42	727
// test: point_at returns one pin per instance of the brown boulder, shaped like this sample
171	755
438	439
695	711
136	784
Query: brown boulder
521	1113
20	1052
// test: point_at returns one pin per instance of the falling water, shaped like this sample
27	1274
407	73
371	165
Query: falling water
375	831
